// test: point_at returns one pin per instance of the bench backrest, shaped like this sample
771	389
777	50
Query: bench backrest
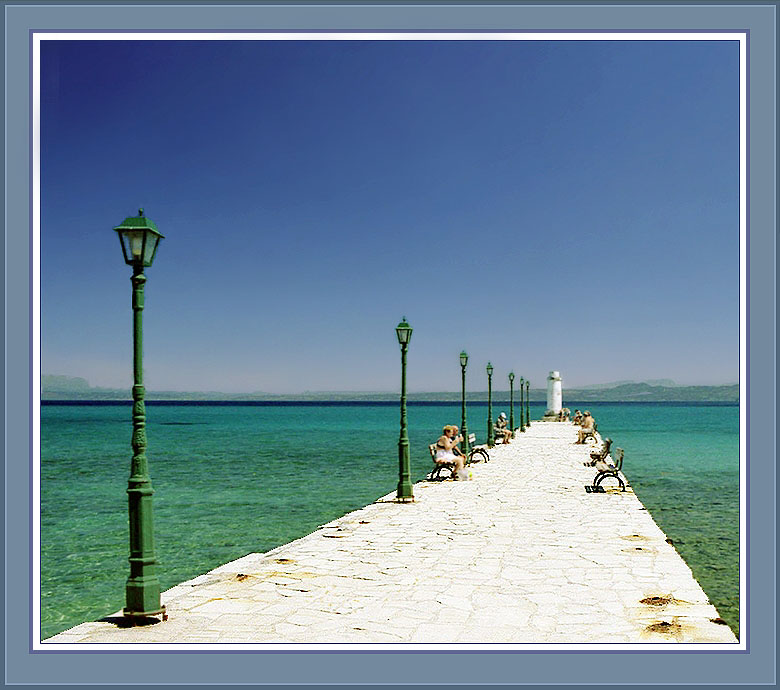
472	439
432	450
618	459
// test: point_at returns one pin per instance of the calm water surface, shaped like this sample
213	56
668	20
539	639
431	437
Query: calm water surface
232	480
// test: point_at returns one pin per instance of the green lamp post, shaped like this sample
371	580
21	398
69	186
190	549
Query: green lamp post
512	402
139	239
522	423
490	439
464	360
527	403
404	491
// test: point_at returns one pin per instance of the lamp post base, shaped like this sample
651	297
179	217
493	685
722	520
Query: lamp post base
142	593
146	614
404	491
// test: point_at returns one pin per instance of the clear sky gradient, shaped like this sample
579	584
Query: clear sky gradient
564	205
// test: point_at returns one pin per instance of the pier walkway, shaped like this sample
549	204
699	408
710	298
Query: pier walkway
519	554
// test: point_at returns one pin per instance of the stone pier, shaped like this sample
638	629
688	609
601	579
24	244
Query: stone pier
521	554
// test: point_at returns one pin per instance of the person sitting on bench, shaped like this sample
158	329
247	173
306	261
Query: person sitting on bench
445	451
500	428
458	438
587	428
577	419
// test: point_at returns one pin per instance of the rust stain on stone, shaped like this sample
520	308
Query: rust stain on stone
661	600
664	627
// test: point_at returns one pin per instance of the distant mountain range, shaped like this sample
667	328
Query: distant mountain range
659	390
666	383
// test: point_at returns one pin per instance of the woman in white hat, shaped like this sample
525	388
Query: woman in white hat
501	429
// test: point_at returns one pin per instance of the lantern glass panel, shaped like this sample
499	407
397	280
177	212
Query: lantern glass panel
464	359
133	243
150	247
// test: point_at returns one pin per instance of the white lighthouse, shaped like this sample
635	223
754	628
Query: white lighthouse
554	394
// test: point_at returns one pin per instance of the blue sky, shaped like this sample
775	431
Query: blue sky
563	205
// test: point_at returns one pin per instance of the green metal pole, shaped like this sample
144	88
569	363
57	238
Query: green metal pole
490	439
512	404
142	589
527	404
463	427
404	490
522	406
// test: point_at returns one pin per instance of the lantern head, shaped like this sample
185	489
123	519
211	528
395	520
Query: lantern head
139	238
404	332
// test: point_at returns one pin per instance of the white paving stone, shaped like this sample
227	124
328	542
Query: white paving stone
520	554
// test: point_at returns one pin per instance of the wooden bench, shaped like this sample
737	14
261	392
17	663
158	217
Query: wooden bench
476	454
606	469
600	454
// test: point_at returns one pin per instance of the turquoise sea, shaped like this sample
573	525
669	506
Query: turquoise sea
235	479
